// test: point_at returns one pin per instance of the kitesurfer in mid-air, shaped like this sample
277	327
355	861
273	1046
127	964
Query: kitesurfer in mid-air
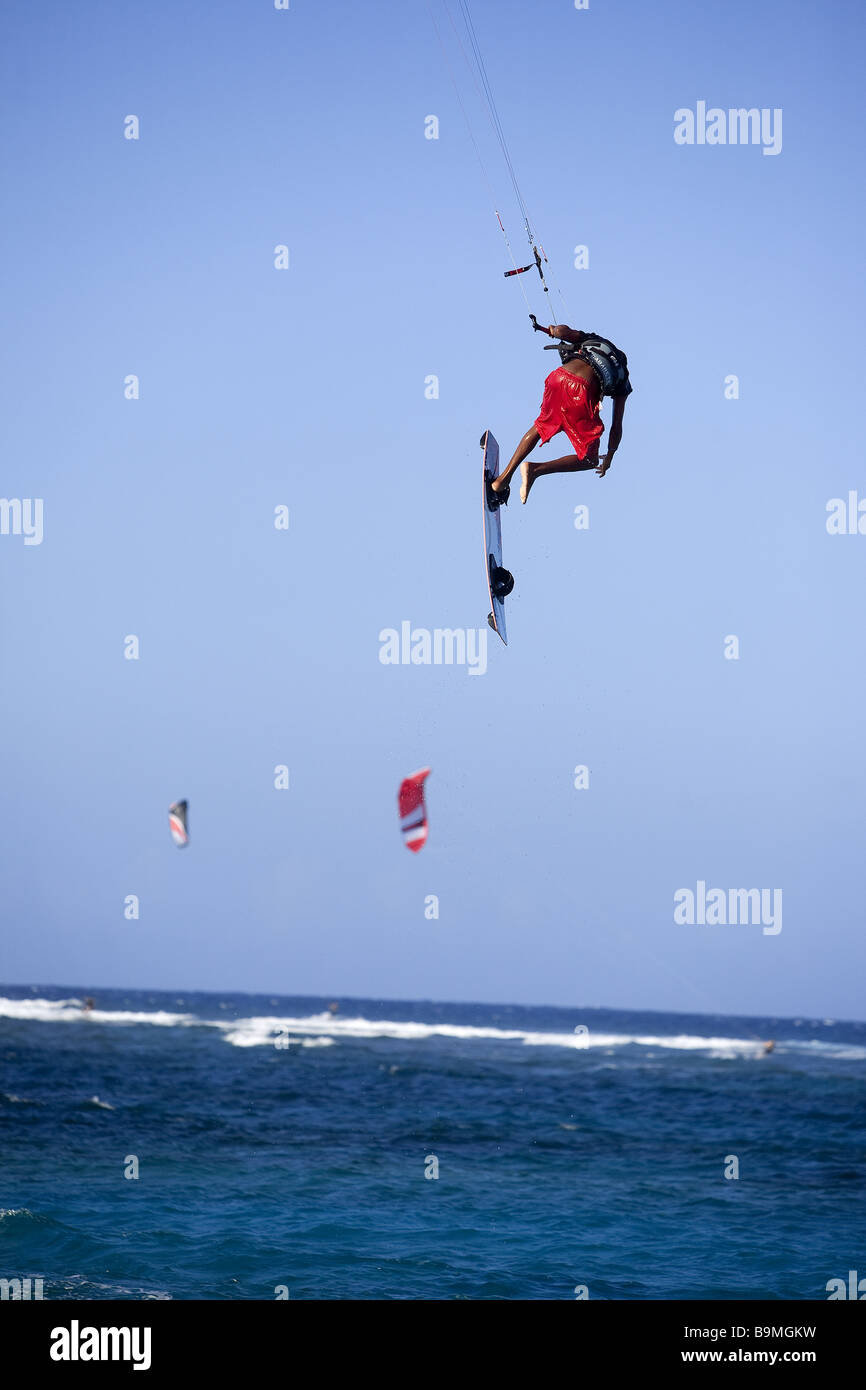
592	367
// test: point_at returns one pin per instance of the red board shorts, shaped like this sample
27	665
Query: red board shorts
571	403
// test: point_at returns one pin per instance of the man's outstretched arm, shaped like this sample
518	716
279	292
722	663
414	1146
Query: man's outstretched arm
568	335
615	436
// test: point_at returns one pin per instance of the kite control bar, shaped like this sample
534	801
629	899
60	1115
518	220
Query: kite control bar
522	269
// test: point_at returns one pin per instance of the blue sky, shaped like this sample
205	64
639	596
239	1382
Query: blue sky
305	387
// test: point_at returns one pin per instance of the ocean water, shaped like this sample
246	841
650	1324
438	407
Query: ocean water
282	1147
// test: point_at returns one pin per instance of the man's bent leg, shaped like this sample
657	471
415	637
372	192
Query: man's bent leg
569	463
526	445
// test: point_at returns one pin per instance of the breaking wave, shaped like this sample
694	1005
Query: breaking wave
325	1029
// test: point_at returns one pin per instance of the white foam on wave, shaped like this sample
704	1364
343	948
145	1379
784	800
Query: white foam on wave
271	1032
266	1031
324	1029
841	1052
72	1011
261	1031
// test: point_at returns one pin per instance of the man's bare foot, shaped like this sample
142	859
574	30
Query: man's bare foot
527	474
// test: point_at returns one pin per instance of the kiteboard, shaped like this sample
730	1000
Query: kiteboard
499	581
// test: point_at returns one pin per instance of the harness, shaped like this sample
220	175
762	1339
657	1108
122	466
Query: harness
609	362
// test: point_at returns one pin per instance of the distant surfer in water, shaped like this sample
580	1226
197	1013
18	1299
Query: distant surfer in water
592	367
87	1006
